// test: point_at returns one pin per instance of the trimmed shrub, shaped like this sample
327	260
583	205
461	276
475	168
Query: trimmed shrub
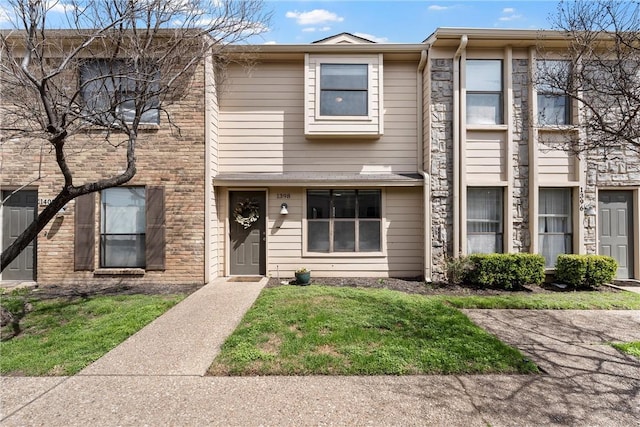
506	271
458	269
585	271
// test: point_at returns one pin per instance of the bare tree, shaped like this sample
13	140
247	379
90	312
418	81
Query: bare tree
148	50
599	74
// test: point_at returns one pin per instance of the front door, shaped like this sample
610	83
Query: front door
17	213
247	229
615	231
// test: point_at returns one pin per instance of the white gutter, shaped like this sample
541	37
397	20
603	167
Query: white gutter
456	144
209	80
427	262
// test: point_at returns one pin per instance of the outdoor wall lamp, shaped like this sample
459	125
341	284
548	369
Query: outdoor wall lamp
283	209
590	210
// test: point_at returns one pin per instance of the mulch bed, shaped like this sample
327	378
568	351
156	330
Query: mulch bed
417	286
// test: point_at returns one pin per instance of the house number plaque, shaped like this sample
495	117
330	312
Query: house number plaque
283	196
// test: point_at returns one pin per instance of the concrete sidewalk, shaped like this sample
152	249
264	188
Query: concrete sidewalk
155	378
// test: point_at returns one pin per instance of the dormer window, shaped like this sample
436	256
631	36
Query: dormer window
344	90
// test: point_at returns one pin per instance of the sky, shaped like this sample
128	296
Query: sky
397	21
385	21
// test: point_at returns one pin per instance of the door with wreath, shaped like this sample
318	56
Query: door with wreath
247	232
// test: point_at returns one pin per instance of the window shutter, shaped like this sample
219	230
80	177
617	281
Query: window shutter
155	238
84	236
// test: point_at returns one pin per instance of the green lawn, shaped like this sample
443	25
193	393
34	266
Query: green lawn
60	337
312	330
557	301
632	348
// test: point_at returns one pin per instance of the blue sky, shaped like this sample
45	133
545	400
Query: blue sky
389	21
397	21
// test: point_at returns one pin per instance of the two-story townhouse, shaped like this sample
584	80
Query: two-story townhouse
151	230
500	182
349	158
319	161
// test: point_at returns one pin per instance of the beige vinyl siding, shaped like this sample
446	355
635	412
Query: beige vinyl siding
265	132
485	157
555	165
402	208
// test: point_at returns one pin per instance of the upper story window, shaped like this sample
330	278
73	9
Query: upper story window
554	105
344	221
111	90
484	91
344	89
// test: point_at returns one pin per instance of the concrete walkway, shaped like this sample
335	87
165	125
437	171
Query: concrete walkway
156	378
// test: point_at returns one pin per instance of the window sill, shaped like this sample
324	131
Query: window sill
144	128
119	272
487	127
306	254
557	128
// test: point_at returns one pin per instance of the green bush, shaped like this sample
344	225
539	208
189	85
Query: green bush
585	271
506	271
458	269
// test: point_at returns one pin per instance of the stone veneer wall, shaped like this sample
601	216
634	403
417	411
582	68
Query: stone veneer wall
441	168
165	157
521	82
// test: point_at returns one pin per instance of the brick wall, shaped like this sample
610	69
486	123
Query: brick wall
169	156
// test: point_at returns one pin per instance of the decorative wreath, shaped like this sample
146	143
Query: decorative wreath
246	213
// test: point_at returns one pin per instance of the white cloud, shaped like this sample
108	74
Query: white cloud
509	14
313	17
437	8
309	30
271	42
372	37
324	29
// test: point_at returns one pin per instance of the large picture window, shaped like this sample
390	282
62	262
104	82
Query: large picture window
554	106
484	91
344	89
110	91
122	227
484	220
344	221
554	223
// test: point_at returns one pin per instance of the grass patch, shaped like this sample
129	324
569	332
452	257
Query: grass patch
62	336
632	348
556	301
319	330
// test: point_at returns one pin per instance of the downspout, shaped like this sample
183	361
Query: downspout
456	144
426	189
209	81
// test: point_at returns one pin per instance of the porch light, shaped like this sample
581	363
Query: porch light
283	209
590	210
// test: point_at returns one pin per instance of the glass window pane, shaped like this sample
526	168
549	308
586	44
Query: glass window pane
318	236
318	204
552	109
484	75
552	245
369	235
369	204
555	201
552	76
484	243
343	103
123	251
484	220
123	210
344	236
484	108
344	203
343	76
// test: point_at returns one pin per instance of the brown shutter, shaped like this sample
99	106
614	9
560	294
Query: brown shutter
155	239
84	236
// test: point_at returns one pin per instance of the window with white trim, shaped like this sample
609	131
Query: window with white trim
123	227
484	220
344	220
554	105
555	234
344	89
484	91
